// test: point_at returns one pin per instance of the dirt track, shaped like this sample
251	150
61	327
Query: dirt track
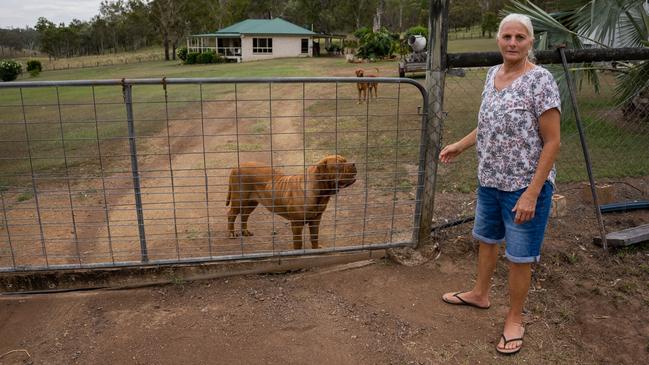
585	307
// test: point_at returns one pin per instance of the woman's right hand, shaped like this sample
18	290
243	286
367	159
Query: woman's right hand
450	152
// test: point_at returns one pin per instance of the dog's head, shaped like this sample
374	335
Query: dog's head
333	173
359	73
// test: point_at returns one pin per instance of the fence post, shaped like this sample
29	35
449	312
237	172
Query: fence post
128	101
435	74
584	146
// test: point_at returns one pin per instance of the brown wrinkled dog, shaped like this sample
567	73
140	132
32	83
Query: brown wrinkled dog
252	184
365	87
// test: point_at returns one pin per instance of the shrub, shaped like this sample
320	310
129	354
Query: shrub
417	30
376	45
206	57
192	58
203	58
9	70
218	58
182	53
362	32
34	67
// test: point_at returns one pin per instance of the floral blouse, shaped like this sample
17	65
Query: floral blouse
509	143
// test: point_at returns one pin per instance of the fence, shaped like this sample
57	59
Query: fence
114	173
616	131
473	32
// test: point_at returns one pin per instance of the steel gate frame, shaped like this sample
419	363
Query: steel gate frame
127	85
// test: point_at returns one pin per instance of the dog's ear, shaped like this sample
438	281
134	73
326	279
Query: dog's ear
325	174
359	73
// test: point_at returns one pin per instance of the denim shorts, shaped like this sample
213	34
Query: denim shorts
494	222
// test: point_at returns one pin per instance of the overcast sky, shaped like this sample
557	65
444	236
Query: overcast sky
21	13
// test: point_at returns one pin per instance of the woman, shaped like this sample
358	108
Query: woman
518	138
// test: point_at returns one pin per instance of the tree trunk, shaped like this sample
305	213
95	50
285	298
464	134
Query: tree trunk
166	45
400	16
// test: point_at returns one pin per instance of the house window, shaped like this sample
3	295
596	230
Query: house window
262	45
305	45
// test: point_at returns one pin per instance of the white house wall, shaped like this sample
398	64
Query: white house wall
282	47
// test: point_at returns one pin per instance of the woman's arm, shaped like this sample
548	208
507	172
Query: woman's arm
452	150
550	130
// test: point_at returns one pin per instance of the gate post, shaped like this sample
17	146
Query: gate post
128	100
435	75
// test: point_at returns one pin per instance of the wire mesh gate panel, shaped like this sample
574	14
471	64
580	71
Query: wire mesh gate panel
617	134
125	172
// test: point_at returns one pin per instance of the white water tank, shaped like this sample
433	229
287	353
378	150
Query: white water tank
417	42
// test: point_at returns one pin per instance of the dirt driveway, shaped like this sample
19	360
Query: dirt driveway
586	307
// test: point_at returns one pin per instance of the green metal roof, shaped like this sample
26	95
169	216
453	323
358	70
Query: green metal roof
264	26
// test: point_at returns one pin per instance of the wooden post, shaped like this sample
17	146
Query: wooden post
435	75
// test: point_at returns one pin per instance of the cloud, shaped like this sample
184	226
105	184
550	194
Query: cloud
21	13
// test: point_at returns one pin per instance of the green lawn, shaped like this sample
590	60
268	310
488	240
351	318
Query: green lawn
472	45
66	116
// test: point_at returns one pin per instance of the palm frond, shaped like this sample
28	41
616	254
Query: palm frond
552	30
632	83
556	25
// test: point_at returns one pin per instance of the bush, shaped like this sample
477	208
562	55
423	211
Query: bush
218	58
191	58
34	67
362	32
377	45
9	70
203	58
417	30
182	53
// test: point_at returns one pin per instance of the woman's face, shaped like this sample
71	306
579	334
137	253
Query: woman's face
514	42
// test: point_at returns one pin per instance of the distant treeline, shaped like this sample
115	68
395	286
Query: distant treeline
126	25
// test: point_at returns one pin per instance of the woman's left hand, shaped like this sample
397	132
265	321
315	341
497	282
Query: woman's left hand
525	208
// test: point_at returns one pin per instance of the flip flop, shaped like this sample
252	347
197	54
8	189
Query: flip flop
511	351
463	302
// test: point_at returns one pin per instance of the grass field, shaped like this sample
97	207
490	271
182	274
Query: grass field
472	45
617	148
142	55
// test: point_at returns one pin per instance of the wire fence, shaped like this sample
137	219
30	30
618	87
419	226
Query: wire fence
98	61
616	131
115	173
473	32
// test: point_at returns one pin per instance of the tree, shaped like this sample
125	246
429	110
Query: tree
489	23
47	31
167	15
463	14
620	23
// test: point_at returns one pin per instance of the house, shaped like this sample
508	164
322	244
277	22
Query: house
256	39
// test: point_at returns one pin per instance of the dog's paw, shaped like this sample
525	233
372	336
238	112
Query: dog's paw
246	233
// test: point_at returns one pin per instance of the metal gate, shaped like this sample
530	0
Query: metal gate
129	172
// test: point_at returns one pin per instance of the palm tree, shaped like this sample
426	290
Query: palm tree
601	23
